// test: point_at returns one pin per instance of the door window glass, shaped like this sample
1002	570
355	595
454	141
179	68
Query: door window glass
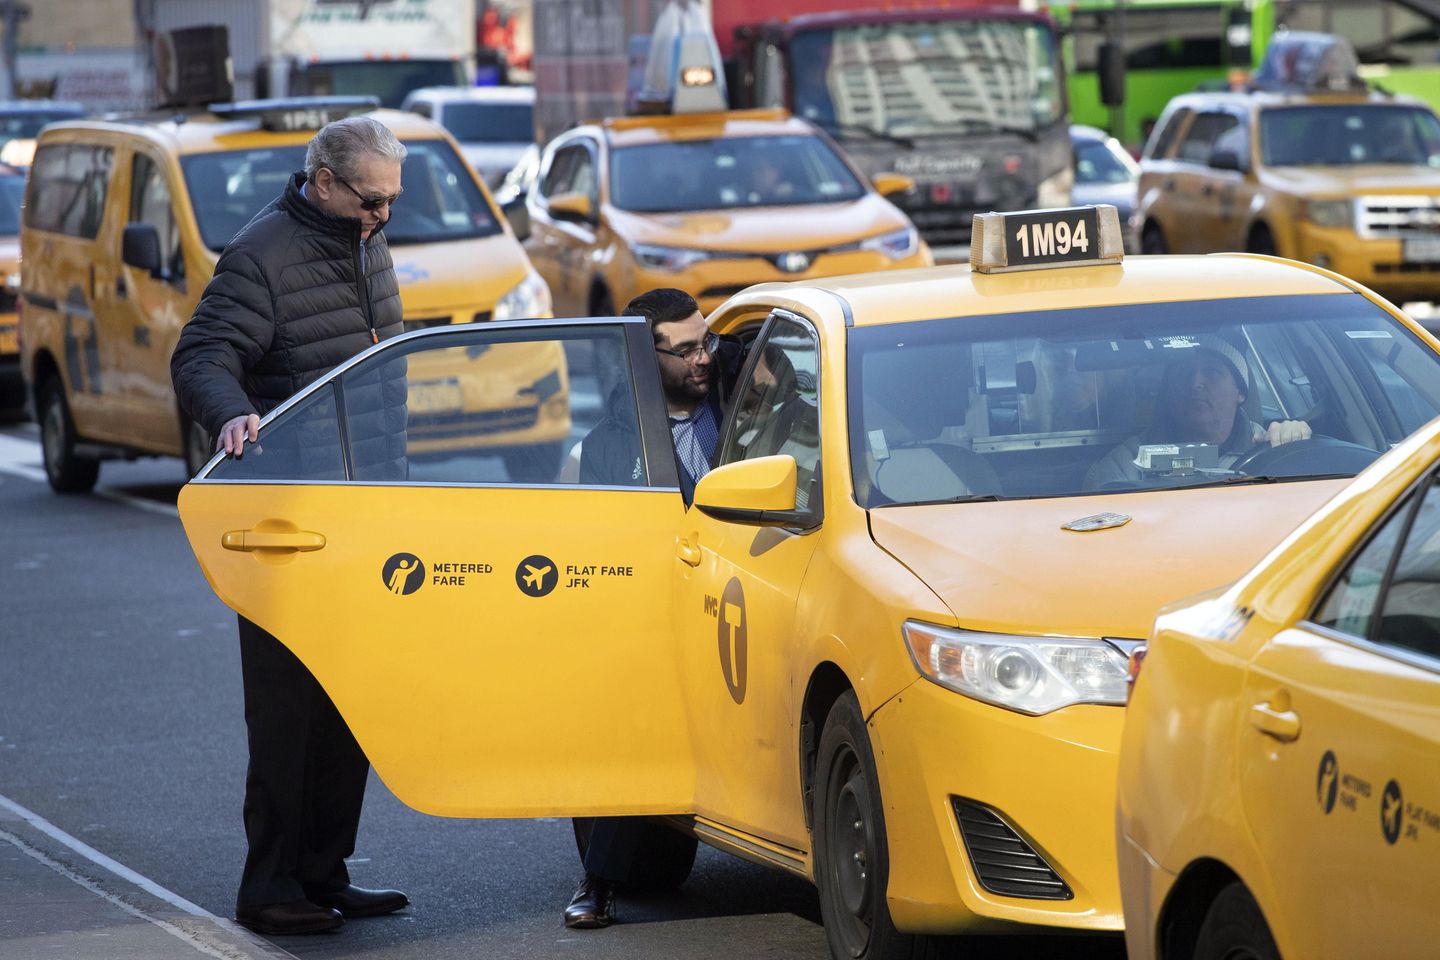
1159	144
1351	604
1201	137
561	175
777	408
1410	614
468	406
150	203
68	183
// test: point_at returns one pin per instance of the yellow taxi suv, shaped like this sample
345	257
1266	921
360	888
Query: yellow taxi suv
1279	794
1348	180
125	220
709	203
885	646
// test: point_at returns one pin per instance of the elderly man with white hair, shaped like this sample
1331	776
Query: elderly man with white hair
306	285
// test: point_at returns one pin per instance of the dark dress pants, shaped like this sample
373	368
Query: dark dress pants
614	842
306	779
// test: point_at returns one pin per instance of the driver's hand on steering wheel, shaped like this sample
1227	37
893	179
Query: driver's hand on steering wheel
1282	432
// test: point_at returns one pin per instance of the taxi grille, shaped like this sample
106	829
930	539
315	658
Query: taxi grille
1397	216
1004	863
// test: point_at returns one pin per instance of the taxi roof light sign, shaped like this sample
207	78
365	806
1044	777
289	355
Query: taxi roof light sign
1038	239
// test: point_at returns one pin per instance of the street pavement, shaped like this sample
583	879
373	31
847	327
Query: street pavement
122	734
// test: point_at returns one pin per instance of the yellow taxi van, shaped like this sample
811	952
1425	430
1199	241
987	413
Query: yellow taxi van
1279	794
884	648
124	222
1346	179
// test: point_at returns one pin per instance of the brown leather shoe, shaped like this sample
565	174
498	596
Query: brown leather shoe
592	906
353	901
286	919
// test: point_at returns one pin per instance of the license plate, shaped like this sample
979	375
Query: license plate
428	396
1421	249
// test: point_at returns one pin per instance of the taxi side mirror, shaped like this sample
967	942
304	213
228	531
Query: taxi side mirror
572	206
1226	160
759	491
888	184
140	248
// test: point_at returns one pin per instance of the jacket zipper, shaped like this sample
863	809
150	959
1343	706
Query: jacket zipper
364	292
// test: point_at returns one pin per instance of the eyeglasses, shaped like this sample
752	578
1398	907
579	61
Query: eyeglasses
368	203
691	354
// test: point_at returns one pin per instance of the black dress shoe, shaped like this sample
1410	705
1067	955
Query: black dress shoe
592	906
355	901
291	917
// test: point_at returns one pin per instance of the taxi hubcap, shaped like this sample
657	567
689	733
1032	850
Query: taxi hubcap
850	846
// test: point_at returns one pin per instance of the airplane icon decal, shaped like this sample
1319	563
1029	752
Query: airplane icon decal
536	575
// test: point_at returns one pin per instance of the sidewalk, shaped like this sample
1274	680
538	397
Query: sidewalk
62	900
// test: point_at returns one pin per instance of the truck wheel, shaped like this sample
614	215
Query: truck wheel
1152	241
198	448
662	863
852	860
67	472
1235	929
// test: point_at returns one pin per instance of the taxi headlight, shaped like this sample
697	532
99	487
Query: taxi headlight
1330	213
1056	191
896	245
1031	675
528	298
669	259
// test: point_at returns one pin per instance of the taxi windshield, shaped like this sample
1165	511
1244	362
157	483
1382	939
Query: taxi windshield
441	201
1138	397
930	78
1348	135
730	172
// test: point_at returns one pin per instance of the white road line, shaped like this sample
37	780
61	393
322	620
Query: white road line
21	458
99	859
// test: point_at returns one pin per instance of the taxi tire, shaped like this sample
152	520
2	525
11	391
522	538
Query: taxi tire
1234	928
1152	241
852	861
662	862
66	471
195	442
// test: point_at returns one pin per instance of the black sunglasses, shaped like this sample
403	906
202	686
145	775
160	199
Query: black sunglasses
368	203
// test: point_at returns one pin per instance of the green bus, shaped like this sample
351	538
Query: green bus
1174	46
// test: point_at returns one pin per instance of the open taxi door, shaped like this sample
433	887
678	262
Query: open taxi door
416	528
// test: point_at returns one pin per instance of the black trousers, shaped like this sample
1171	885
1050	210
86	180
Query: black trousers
305	782
614	841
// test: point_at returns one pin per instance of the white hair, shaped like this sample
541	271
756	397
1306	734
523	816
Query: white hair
340	146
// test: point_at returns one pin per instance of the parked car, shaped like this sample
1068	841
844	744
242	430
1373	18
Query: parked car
1105	173
24	119
493	125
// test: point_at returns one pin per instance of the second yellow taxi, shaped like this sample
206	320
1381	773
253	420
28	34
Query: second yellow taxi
884	648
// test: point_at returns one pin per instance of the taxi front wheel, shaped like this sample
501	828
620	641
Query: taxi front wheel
1235	929
66	471
852	862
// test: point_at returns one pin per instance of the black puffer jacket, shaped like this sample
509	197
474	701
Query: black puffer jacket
286	305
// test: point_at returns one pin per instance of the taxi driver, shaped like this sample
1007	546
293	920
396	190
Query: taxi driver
1201	401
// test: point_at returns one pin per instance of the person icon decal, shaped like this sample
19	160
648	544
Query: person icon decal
401	574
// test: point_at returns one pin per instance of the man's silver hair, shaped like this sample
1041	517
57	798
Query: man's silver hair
341	145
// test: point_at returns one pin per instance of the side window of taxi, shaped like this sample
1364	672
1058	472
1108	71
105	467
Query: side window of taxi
1200	138
468	407
571	171
68	183
150	203
1159	144
1392	597
777	409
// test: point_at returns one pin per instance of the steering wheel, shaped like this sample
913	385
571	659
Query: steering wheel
1317	455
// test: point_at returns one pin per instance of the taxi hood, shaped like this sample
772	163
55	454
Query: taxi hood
458	275
1354	180
815	226
1009	567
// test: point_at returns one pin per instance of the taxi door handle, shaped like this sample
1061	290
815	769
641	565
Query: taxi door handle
301	541
688	549
1283	725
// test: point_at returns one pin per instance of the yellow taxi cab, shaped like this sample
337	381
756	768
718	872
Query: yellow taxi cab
1279	793
884	648
12	193
709	203
1346	179
125	220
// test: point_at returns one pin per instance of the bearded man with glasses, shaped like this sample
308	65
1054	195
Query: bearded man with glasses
304	286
